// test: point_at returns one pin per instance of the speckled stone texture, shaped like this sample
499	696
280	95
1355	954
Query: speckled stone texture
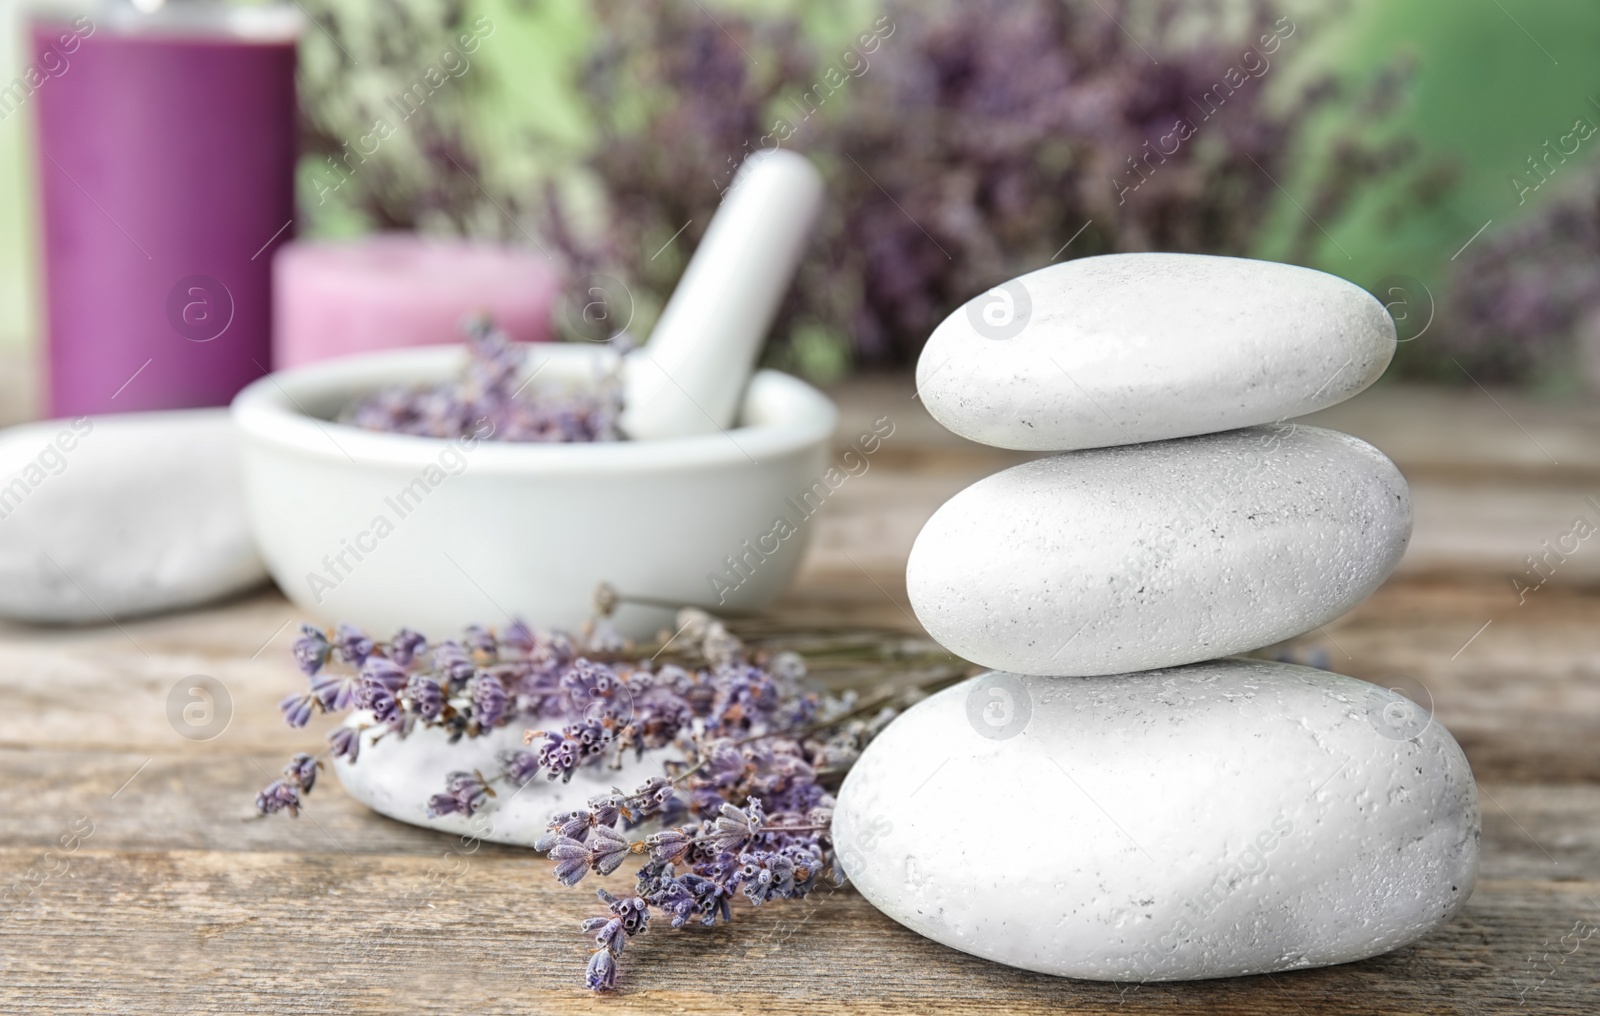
1126	348
397	777
1156	555
1225	818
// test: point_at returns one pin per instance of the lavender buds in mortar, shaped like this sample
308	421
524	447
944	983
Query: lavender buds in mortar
490	400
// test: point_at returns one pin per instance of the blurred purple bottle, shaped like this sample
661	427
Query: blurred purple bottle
166	170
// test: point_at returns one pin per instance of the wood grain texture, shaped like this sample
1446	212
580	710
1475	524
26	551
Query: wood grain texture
179	901
304	932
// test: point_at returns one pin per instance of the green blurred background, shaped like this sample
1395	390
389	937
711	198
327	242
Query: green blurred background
1484	85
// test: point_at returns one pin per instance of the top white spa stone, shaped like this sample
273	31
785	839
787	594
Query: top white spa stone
1125	348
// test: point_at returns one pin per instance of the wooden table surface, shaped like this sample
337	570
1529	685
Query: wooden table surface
172	899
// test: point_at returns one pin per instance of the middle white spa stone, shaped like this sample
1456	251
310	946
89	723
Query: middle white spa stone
1225	818
1155	555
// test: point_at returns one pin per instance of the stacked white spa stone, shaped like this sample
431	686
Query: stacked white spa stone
1105	804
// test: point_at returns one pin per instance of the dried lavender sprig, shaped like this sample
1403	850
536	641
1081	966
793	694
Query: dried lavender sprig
611	706
763	832
759	821
299	776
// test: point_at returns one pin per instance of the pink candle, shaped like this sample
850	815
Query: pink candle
398	289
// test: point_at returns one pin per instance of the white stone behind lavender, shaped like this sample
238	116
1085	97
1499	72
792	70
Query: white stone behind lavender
1124	348
1122	559
1225	818
121	515
397	777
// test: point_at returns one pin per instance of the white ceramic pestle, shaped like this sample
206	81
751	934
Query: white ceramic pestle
690	377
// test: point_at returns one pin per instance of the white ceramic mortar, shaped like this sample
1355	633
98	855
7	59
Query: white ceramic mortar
517	529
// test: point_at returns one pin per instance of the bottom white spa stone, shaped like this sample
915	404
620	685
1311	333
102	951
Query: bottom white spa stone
1223	818
397	777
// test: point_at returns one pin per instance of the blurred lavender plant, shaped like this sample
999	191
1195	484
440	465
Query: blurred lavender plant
967	146
1522	296
963	144
743	811
386	87
489	402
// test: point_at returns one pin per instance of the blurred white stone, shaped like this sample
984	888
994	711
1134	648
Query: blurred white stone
121	515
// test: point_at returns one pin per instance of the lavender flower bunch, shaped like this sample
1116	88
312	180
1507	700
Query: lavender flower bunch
489	401
1523	301
743	810
964	144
